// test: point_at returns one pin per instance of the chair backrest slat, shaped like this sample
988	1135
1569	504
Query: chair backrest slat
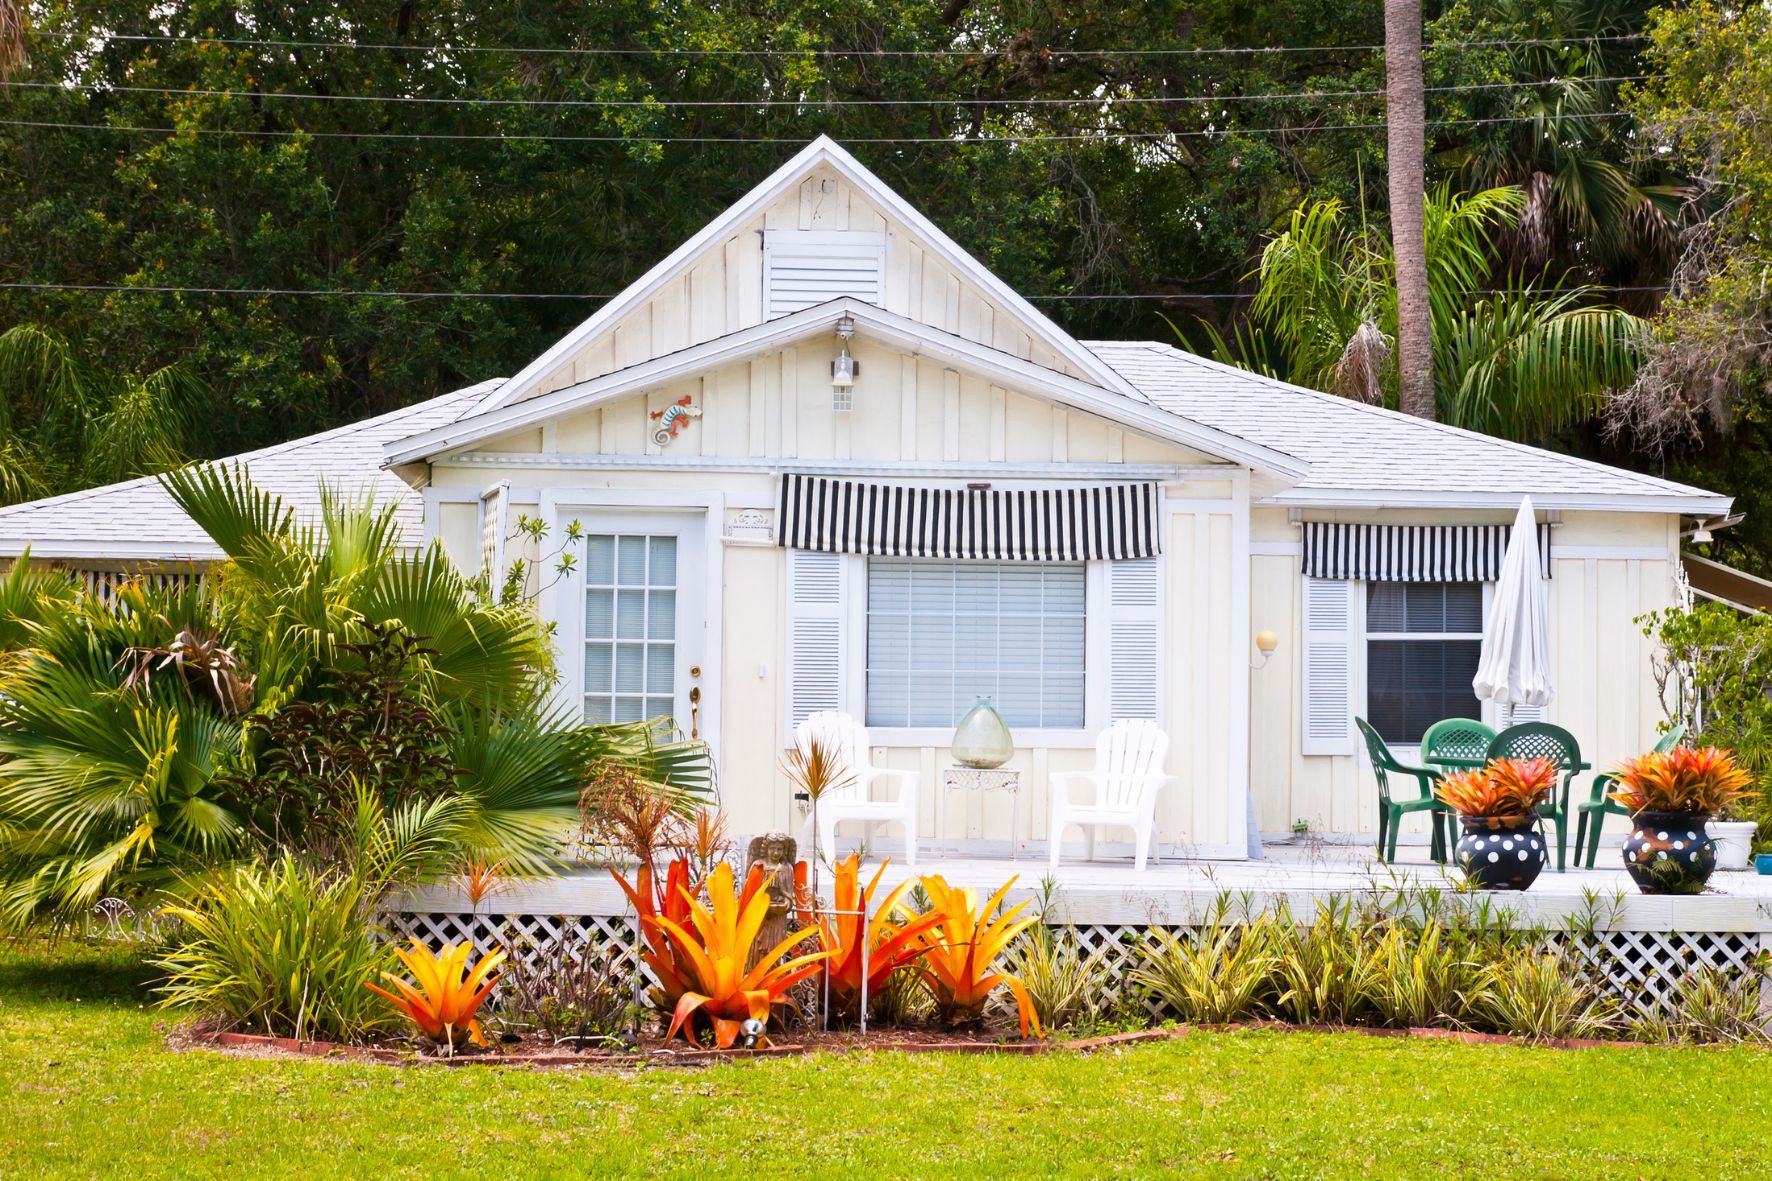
846	738
1456	738
1127	755
1537	740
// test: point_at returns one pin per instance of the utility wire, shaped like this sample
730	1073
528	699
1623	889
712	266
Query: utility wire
164	289
1097	135
808	51
746	104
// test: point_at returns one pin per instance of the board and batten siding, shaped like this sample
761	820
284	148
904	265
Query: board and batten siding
1607	569
906	409
723	292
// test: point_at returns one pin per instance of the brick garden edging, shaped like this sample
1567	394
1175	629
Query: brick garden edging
546	1059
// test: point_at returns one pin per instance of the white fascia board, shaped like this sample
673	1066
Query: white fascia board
822	150
879	325
61	549
1697	504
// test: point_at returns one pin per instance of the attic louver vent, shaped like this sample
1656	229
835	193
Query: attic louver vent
806	267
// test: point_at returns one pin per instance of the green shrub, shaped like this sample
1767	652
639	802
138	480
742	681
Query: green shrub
1709	1005
1218	976
1321	970
1417	977
1063	983
284	949
1540	995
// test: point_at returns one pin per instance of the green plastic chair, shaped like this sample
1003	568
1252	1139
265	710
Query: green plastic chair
1599	807
1391	810
1536	740
1456	738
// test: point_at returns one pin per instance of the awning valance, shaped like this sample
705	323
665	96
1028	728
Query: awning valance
1411	553
1115	522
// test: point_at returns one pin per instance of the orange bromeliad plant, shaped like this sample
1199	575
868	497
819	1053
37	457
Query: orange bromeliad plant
448	993
1700	781
670	900
960	948
713	949
1505	788
894	938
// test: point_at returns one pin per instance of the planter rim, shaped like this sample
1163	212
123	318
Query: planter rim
1517	820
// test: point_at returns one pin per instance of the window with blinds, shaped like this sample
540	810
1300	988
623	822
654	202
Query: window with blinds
941	634
1423	641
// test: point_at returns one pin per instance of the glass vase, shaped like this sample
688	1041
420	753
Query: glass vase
982	739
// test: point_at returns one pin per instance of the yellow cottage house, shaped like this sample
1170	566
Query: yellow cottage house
825	460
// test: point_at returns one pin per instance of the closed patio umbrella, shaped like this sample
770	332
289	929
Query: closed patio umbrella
1514	665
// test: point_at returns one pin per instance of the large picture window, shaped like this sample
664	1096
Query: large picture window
941	634
1422	646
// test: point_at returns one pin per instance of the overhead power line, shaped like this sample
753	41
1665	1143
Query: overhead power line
1097	135
804	51
168	289
747	104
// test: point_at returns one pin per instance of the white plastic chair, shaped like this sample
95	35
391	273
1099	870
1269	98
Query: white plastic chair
1128	774
849	741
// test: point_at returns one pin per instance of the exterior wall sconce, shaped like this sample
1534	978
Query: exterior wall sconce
1265	643
844	369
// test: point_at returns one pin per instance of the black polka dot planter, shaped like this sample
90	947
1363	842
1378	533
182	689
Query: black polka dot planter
1501	852
1669	852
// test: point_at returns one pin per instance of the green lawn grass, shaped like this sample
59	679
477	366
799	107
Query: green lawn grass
88	1088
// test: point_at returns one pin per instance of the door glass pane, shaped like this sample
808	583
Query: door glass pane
630	669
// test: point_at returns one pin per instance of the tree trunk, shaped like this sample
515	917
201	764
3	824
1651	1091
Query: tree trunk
1406	121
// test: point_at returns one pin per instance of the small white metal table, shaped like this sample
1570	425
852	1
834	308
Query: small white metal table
986	779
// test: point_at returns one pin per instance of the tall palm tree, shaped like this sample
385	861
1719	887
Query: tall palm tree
1405	136
133	735
1522	361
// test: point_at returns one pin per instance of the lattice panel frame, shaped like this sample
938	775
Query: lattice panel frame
1639	969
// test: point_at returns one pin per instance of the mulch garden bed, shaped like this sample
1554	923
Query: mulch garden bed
653	1052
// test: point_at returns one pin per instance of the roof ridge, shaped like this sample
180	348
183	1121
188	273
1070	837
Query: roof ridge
1654	483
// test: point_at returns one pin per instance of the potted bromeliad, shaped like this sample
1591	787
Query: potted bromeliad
1672	795
1497	805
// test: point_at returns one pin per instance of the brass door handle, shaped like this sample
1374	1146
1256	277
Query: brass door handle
695	711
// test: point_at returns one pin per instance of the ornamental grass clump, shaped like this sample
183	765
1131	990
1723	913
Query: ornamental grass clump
1214	978
1541	996
1321	970
1063	983
1418	977
1504	789
1695	781
1710	1005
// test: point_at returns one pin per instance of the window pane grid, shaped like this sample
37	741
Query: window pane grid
942	634
630	627
1423	642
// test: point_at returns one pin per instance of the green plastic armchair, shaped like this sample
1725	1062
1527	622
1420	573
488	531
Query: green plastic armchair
1599	805
1391	810
1541	740
1456	738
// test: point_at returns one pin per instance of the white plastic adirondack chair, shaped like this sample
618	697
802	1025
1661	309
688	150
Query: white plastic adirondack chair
849	740
1128	774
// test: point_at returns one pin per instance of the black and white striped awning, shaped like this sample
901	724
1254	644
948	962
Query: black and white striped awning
1115	522
1411	553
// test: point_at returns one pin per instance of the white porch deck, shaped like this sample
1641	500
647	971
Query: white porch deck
1175	891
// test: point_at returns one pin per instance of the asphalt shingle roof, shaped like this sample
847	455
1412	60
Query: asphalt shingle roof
1352	447
137	517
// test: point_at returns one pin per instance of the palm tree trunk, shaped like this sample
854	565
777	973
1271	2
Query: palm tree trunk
1406	120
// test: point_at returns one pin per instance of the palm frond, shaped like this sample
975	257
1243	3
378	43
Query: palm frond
237	516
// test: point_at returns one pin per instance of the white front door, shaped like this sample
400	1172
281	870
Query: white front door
631	637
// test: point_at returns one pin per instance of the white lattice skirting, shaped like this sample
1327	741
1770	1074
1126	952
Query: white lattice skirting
1638	968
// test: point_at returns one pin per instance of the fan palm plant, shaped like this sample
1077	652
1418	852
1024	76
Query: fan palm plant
120	772
1519	360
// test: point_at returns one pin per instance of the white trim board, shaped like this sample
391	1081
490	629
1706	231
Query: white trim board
880	326
822	151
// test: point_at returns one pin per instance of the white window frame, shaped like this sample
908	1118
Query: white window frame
1359	638
1096	673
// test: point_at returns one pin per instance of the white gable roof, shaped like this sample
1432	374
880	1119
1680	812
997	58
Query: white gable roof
1362	455
822	151
1133	411
137	519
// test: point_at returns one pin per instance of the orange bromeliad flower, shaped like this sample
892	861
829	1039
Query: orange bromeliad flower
669	901
958	952
448	993
713	948
1506	787
1702	781
894	939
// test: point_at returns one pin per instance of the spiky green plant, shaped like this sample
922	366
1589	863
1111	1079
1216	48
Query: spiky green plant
1216	976
1539	995
1710	1005
1418	977
1063	982
1322	969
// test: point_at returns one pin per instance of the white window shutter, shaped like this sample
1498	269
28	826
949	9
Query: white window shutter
495	508
1135	639
1524	713
806	267
1327	706
817	602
